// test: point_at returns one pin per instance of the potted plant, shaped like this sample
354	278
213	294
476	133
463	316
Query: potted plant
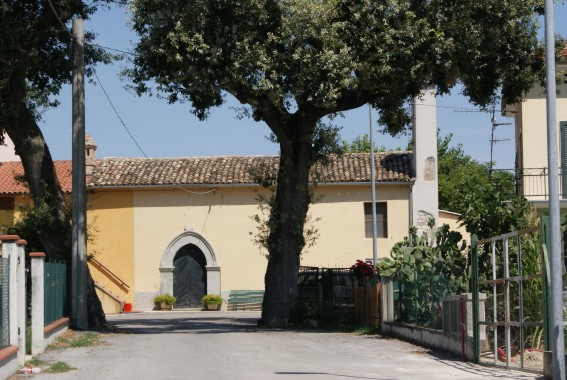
212	301
164	301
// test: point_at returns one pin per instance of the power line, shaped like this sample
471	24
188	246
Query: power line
114	108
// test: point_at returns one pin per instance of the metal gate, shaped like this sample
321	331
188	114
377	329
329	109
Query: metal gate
511	270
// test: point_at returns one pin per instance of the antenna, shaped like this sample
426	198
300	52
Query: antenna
493	140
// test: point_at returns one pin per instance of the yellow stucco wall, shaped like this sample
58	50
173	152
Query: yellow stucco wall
223	218
533	123
110	227
133	229
11	208
452	219
342	233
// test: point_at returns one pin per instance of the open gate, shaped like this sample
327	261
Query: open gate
511	270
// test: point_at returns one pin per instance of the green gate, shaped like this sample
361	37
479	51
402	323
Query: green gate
511	270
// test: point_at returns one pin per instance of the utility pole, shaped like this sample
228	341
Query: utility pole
79	317
373	192
557	339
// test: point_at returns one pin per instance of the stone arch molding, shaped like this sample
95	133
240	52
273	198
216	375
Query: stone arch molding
166	264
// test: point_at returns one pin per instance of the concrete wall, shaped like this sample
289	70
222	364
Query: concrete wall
435	339
452	219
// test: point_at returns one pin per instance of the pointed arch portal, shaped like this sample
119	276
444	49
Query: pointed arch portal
193	241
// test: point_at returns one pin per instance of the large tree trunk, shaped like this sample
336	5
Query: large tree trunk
286	239
39	171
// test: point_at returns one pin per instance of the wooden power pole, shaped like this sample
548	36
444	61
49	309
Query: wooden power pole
79	317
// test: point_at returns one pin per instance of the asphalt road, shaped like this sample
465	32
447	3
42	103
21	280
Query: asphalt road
228	345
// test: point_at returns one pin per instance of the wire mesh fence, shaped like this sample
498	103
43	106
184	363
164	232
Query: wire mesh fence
4	302
56	301
417	299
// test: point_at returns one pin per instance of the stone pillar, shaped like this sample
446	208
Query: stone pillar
21	280
37	311
166	280
387	299
10	251
425	197
213	280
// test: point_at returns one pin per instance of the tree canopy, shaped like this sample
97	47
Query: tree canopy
293	62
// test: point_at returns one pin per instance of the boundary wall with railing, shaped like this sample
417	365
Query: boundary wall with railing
12	353
456	333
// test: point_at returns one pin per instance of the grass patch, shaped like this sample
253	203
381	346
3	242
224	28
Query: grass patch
35	362
367	330
85	340
59	367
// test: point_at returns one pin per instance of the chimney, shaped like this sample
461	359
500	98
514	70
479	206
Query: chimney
90	155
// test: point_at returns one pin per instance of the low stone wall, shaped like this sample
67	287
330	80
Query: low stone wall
436	339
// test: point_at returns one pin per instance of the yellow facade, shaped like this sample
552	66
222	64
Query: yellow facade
11	208
133	229
110	228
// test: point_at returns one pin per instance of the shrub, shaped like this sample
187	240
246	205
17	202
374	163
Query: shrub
167	299
211	299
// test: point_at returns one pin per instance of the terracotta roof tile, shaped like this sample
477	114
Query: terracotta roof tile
9	171
354	167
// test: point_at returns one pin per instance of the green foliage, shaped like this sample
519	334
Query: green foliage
167	299
326	56
265	224
361	144
59	367
86	340
457	172
35	48
426	267
492	209
211	299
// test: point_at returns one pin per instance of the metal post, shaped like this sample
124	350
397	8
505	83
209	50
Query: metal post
373	185
476	327
79	256
557	346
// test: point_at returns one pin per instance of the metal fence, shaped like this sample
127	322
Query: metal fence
532	183
332	286
417	299
512	275
4	302
56	302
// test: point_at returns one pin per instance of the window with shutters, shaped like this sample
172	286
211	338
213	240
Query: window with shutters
563	163
381	219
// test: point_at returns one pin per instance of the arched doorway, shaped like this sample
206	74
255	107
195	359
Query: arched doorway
189	276
187	247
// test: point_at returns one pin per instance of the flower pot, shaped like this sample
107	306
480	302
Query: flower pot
165	306
212	307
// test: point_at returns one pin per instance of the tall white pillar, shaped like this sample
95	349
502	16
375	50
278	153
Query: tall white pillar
425	197
37	306
21	285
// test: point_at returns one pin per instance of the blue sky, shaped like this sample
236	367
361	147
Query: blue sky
164	130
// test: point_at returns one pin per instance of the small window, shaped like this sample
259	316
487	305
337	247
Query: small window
6	204
381	219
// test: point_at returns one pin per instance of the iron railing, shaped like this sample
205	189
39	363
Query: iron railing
333	286
532	183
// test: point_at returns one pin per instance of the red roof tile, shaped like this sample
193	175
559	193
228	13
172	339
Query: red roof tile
354	167
10	171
